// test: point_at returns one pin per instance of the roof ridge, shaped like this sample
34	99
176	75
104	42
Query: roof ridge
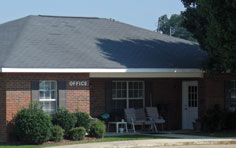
57	16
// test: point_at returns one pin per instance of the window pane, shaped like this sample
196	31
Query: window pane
45	105
53	85
131	85
124	85
53	95
118	85
114	94
140	85
118	93
141	94
53	105
135	93
131	93
48	106
124	94
135	85
47	85
41	95
42	85
47	95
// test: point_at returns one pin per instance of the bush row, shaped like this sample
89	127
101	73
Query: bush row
217	119
33	126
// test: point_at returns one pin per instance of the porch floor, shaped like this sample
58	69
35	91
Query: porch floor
178	134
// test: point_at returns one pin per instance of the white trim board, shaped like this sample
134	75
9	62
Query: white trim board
100	70
148	75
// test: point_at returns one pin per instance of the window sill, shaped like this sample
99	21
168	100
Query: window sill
47	99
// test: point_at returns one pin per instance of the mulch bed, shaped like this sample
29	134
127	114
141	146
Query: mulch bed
65	141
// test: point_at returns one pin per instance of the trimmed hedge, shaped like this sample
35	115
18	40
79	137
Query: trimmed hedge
64	119
83	120
33	126
57	133
77	133
97	129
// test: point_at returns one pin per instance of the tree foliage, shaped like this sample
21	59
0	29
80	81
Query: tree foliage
212	23
173	26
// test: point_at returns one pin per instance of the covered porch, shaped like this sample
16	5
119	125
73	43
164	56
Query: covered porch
171	93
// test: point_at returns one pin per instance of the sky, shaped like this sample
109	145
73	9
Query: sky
141	13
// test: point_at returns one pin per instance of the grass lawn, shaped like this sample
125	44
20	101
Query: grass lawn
221	134
106	139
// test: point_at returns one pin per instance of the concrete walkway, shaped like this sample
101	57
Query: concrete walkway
152	143
199	146
182	136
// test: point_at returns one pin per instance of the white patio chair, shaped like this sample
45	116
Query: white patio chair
141	116
130	116
152	113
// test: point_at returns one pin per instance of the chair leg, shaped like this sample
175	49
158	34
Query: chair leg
117	128
155	127
108	127
133	127
152	127
126	127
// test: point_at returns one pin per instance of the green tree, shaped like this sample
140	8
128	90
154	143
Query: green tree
212	23
173	27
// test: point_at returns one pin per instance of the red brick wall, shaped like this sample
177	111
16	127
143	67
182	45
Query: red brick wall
169	92
78	98
97	97
2	111
212	92
17	90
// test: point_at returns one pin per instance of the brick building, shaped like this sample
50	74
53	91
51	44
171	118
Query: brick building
101	66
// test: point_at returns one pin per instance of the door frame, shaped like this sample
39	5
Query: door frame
182	99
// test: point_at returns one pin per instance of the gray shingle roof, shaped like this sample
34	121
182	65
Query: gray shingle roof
80	42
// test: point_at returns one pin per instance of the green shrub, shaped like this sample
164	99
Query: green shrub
64	119
77	133
83	120
214	119
97	129
230	121
57	133
33	126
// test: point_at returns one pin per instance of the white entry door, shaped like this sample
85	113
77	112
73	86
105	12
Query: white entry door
189	103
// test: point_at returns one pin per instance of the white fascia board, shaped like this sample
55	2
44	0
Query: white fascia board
96	70
148	75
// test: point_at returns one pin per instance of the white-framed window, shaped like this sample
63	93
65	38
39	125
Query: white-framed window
127	94
233	89
230	95
48	96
